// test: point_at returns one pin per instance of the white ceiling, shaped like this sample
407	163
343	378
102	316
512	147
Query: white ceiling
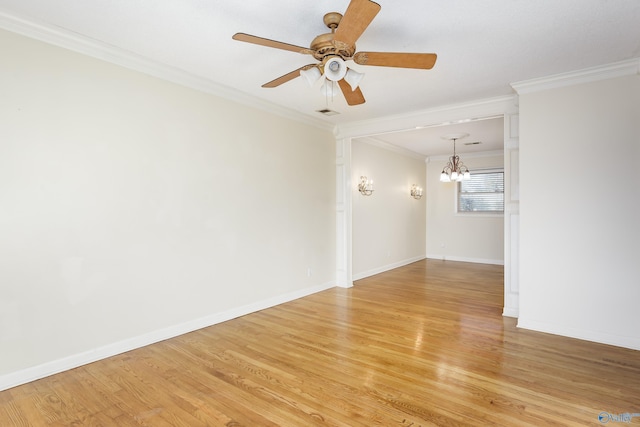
482	47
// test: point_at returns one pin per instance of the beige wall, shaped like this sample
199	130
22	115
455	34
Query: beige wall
132	208
389	226
579	232
461	237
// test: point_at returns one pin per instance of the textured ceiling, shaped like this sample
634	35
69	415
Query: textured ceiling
482	46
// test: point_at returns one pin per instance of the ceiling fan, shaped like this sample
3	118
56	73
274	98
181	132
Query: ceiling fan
334	48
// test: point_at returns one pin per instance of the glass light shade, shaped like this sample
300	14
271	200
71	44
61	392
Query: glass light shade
353	78
335	69
454	176
467	175
311	75
444	177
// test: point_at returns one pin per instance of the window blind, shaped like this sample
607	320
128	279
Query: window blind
484	192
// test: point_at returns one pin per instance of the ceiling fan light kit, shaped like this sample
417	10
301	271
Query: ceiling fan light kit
334	48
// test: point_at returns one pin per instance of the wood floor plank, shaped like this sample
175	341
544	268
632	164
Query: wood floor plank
422	345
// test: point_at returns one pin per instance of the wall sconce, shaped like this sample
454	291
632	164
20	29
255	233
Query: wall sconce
366	186
416	192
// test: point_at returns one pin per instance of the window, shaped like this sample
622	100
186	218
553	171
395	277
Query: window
483	193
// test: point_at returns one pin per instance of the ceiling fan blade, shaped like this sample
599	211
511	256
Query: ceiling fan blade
353	97
424	61
356	19
271	43
289	76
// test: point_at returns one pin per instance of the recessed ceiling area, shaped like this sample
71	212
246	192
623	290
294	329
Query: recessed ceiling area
428	141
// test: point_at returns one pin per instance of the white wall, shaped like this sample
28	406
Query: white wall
389	226
132	209
461	237
579	193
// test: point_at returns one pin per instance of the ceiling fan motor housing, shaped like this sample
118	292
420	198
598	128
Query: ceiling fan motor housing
325	45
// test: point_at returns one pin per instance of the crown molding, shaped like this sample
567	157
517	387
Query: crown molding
609	71
96	49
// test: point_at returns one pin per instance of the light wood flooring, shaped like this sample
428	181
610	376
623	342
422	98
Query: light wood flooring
421	345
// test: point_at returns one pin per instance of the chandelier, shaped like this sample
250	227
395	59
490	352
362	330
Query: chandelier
455	170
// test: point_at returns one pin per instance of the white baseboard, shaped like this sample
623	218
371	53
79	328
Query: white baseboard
55	366
632	343
510	312
378	270
511	304
465	259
